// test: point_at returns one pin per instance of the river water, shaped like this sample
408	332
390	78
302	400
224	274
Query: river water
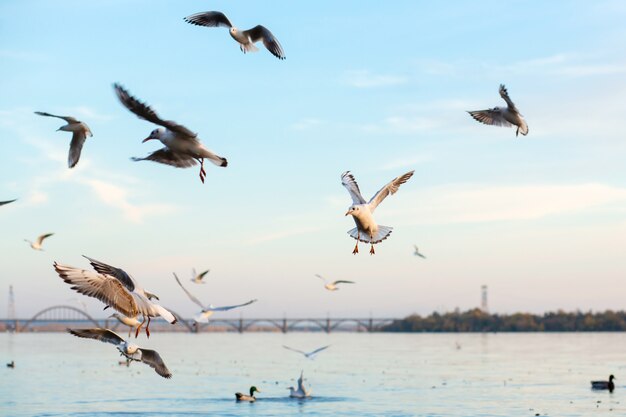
361	374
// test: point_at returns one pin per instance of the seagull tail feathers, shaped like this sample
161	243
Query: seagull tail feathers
382	234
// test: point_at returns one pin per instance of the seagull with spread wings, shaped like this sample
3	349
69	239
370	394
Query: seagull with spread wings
208	310
39	241
198	278
500	116
245	38
417	252
129	350
182	148
332	286
116	288
79	130
367	230
2	203
308	355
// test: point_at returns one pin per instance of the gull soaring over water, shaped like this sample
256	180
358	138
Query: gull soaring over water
39	241
367	230
114	287
208	310
417	252
301	392
182	146
2	203
129	350
308	355
245	38
499	116
131	322
198	278
333	285
79	130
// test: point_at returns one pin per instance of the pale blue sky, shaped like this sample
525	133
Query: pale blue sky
377	88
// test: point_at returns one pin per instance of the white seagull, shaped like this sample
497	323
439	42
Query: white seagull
2	203
366	229
37	243
499	116
245	38
308	355
79	130
207	311
114	287
198	278
417	252
333	285
131	322
129	350
182	147
301	392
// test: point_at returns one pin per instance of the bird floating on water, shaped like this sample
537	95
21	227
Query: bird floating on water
79	130
182	146
301	392
332	286
198	278
39	241
114	287
610	385
11	364
417	252
499	116
2	203
367	230
245	38
129	350
250	398
308	355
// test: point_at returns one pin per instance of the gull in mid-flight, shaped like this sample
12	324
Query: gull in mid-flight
129	350
499	116
245	38
301	392
207	311
2	203
417	252
114	287
79	134
198	278
333	285
182	147
37	243
131	322
308	355
367	230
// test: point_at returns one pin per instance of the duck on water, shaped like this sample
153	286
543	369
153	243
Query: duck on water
610	385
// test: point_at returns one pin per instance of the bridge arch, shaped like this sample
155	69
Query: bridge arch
60	308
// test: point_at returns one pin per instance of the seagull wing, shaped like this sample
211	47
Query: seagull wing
41	238
152	358
348	181
318	350
167	157
209	19
202	274
490	117
68	119
103	287
343	282
390	188
76	146
190	295
117	273
103	335
294	350
226	308
505	96
258	33
2	203
321	277
143	111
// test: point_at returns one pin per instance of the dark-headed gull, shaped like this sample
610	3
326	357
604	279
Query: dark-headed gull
417	252
245	38
2	203
39	241
182	147
114	287
366	229
308	355
79	130
332	286
198	278
301	392
129	350
499	116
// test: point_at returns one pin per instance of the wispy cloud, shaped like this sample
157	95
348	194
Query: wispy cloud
408	161
367	79
283	234
306	123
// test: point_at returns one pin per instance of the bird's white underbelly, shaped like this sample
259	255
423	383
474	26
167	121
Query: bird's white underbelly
365	223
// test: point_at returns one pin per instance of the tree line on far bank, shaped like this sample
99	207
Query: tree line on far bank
476	320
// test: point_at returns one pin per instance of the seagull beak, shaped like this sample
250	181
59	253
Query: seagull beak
347	212
147	139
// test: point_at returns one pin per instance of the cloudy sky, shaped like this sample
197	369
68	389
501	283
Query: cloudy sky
367	86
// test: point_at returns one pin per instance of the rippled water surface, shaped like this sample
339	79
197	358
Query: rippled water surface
359	375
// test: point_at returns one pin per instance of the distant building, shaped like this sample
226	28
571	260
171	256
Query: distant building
484	306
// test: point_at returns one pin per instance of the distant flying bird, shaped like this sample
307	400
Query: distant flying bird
367	230
114	287
301	392
2	203
499	116
79	130
610	385
249	398
198	278
37	243
417	252
308	355
131	322
129	350
245	38
182	147
333	285
207	311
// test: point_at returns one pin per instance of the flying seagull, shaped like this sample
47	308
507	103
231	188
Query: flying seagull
366	229
198	278
207	311
417	252
79	130
129	350
182	146
131	322
2	203
499	116
333	285
245	38
301	392
37	243
114	287
308	355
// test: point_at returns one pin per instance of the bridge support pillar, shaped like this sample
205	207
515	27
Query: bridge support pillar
284	326
240	327
327	329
